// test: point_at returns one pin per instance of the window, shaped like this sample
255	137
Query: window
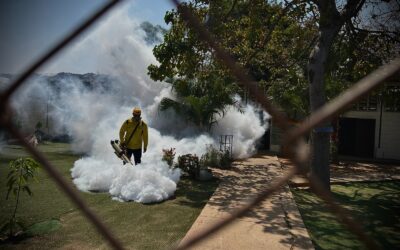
392	98
369	103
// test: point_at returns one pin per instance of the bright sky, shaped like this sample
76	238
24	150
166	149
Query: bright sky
28	27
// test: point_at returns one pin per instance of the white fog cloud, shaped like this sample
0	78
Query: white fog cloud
93	118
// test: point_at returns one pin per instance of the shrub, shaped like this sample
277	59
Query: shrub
211	158
168	156
216	158
225	160
190	164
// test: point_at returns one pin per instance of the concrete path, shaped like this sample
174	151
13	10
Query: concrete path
275	224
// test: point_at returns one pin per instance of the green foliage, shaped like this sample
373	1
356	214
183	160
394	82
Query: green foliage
212	157
200	102
21	172
226	160
270	41
355	54
216	158
190	164
168	156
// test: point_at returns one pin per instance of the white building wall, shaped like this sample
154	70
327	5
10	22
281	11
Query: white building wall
389	147
390	138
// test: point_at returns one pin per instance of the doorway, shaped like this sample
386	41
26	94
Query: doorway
357	137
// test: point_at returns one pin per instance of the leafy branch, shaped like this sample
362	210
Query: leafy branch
22	171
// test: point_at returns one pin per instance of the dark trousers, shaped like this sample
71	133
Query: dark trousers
137	154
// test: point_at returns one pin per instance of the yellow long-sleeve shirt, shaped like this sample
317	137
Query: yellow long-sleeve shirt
138	138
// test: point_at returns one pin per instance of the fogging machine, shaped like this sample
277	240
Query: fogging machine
120	152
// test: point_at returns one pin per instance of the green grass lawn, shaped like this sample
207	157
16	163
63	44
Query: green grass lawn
376	205
138	226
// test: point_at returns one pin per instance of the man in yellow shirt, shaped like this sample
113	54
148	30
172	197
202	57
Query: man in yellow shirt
133	135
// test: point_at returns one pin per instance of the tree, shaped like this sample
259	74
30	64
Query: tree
200	101
330	22
21	172
303	52
259	43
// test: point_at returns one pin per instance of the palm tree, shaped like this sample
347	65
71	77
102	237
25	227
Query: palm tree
200	102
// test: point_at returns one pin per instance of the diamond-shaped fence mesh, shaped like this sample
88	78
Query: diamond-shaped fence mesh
293	142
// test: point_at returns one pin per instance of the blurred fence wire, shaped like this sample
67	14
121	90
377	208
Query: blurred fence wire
294	144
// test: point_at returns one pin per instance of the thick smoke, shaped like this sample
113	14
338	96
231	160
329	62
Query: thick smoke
93	117
246	128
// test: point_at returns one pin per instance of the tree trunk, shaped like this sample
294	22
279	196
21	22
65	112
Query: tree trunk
320	136
330	22
335	141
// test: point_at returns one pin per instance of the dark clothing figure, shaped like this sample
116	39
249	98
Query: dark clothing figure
137	154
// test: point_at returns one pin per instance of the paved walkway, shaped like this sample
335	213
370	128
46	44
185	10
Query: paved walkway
275	224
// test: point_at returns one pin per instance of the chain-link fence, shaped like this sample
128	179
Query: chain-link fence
293	143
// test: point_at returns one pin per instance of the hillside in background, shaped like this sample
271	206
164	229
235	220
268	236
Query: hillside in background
37	103
89	80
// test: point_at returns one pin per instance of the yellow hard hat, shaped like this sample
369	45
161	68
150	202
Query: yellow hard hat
137	111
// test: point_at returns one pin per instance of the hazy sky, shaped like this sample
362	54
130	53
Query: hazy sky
28	27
